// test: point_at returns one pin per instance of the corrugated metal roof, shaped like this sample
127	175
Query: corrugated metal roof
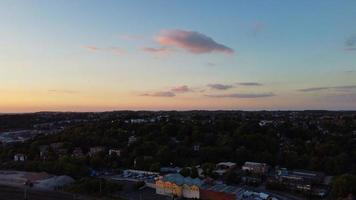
180	180
220	188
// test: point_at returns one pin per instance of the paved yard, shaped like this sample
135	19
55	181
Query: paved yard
128	193
14	193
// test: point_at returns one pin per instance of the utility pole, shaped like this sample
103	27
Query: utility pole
100	185
27	184
25	192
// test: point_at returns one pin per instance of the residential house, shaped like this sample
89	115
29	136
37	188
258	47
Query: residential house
78	153
20	157
95	150
265	123
255	167
44	149
196	147
62	152
57	145
223	167
59	149
116	152
137	121
132	139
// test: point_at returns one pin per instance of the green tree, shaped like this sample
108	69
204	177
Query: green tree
185	172
343	185
155	167
194	172
208	168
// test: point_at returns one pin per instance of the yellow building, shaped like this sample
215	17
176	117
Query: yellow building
178	186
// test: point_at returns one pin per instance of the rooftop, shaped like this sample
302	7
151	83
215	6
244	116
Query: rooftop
180	180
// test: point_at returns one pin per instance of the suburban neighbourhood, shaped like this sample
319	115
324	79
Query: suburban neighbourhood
137	152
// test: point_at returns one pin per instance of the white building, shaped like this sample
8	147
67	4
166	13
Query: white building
19	157
115	151
223	167
132	139
255	167
196	147
95	150
137	121
265	122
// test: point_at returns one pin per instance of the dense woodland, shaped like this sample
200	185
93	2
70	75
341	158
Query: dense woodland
302	142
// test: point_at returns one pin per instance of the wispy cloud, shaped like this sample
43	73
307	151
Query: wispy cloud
218	86
243	95
157	51
257	27
191	41
314	89
116	51
345	87
345	99
350	43
63	91
90	48
350	48
250	84
131	37
181	89
113	50
210	64
159	94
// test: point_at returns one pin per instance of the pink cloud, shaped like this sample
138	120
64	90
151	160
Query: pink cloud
91	47
257	27
116	51
181	89
113	50
156	50
191	41
350	49
159	94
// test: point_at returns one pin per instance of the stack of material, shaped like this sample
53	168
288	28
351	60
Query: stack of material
54	182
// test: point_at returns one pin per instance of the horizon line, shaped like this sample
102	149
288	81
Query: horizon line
188	110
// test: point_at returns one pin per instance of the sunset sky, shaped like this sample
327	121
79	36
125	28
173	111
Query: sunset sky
101	55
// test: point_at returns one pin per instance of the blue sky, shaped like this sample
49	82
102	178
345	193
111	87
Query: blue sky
96	55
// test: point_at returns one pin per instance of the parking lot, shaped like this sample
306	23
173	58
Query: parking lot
130	193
